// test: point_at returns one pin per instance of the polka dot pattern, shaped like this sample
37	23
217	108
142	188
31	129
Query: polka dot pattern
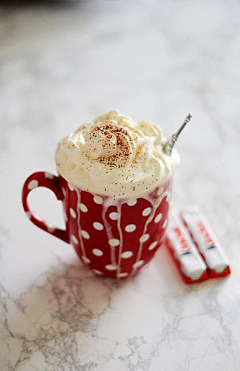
33	184
74	239
28	214
86	260
146	211
85	235
114	242
165	223
144	238
127	254
110	267
130	228
152	246
38	217
98	272
138	264
122	275
98	200
98	226
108	238
72	213
158	218
71	187
49	175
132	202
83	208
50	228
113	216
97	252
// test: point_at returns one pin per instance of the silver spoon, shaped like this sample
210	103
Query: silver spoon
168	146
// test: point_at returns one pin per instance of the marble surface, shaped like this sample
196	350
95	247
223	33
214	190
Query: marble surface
60	66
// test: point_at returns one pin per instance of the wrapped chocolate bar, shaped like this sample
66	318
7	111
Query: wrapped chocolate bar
206	241
187	258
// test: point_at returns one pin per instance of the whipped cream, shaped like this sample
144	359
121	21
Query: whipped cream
115	156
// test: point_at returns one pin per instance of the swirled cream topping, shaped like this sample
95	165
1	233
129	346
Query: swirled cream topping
115	156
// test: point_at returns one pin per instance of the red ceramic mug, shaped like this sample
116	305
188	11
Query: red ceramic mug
114	239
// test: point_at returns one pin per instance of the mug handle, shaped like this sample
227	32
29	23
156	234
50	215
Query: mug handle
50	181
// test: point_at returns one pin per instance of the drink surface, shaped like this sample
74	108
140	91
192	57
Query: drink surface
115	156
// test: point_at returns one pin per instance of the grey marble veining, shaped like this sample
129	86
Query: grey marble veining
61	65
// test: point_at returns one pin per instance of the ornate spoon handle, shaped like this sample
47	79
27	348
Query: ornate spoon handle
170	143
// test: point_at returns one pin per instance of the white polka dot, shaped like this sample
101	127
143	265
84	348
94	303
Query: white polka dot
83	207
138	264
28	214
74	239
127	254
110	267
158	218
132	202
123	274
130	228
144	237
151	247
98	200
85	235
165	223
114	242
33	184
72	212
85	259
113	216
97	272
97	252
38	217
50	228
146	211
71	187
63	191
49	175
98	226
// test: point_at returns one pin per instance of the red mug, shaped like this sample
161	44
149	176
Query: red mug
114	239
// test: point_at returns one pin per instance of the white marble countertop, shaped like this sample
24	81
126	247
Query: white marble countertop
60	66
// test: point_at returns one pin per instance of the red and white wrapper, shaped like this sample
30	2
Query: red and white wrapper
206	241
187	258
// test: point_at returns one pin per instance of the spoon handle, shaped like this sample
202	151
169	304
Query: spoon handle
170	143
